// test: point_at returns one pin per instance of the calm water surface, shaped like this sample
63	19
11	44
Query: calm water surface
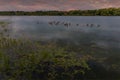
104	31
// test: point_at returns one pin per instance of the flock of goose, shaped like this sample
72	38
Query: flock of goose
68	24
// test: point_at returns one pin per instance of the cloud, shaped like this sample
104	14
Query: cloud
56	4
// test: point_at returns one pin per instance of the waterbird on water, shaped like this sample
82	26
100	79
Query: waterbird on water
77	24
98	25
51	23
68	24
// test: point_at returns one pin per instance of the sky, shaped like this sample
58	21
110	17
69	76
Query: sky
35	5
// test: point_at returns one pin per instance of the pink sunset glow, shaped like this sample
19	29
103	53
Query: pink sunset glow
34	5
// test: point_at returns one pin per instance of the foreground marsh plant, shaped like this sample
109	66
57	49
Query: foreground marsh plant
20	61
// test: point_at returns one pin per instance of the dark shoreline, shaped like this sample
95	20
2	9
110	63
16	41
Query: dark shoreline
97	12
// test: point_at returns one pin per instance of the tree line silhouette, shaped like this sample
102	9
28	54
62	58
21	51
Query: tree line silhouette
97	12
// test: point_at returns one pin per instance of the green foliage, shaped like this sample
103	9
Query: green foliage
99	12
43	61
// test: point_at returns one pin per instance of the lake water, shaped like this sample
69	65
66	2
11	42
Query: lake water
103	31
86	31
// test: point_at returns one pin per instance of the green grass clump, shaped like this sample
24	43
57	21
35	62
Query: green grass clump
19	61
